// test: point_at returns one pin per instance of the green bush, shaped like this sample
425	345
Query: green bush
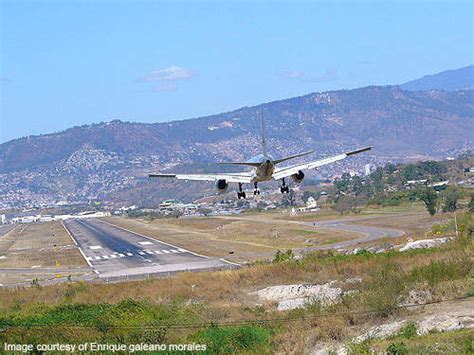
384	290
231	340
408	331
438	271
283	256
397	349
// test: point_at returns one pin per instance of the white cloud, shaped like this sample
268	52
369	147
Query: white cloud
170	73
328	76
291	74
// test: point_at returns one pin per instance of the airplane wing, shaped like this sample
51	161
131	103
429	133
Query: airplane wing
229	177
281	173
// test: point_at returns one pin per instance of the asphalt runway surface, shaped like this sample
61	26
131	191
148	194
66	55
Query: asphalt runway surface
113	251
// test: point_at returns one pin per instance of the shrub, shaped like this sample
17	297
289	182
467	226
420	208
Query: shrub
384	289
231	340
408	331
397	349
437	271
283	256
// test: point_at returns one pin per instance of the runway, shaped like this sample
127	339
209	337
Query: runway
116	252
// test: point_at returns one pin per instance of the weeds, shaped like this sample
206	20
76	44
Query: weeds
231	340
281	257
385	289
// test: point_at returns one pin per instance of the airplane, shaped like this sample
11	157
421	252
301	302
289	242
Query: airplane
264	169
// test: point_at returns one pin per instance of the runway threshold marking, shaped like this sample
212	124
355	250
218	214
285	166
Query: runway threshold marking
155	240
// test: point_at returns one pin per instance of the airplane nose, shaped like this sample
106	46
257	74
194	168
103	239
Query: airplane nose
268	161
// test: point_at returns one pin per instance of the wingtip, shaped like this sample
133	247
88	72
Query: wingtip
158	175
365	149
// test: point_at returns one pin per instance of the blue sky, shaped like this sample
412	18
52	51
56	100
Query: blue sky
66	63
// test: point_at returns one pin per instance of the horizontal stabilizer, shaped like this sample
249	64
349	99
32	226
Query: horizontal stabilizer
241	163
161	175
277	161
358	151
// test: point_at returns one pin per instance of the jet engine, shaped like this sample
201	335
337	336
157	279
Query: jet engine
222	185
298	177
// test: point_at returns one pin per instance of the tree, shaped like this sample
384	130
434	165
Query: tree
357	185
343	183
429	197
451	196
471	204
349	203
343	204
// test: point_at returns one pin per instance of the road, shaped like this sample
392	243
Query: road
367	234
116	252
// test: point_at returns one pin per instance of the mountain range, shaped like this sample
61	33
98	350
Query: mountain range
449	80
109	161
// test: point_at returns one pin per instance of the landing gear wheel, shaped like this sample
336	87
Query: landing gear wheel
241	194
256	191
284	189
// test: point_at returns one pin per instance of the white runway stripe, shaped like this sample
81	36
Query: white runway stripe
174	251
141	253
121	255
157	252
105	256
129	254
97	258
113	256
149	252
165	251
145	243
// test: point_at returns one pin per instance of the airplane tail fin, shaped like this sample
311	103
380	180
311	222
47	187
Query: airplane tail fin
264	139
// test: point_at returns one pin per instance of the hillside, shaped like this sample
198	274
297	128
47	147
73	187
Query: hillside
97	161
449	80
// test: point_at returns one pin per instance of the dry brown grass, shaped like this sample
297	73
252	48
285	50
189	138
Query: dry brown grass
230	288
240	238
412	223
35	236
36	247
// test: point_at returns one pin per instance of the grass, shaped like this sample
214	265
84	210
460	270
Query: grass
238	238
453	342
253	236
39	246
147	310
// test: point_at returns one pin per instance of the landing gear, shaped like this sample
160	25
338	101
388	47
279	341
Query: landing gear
284	187
241	192
256	191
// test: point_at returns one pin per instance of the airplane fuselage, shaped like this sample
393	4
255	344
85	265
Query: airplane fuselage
266	168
